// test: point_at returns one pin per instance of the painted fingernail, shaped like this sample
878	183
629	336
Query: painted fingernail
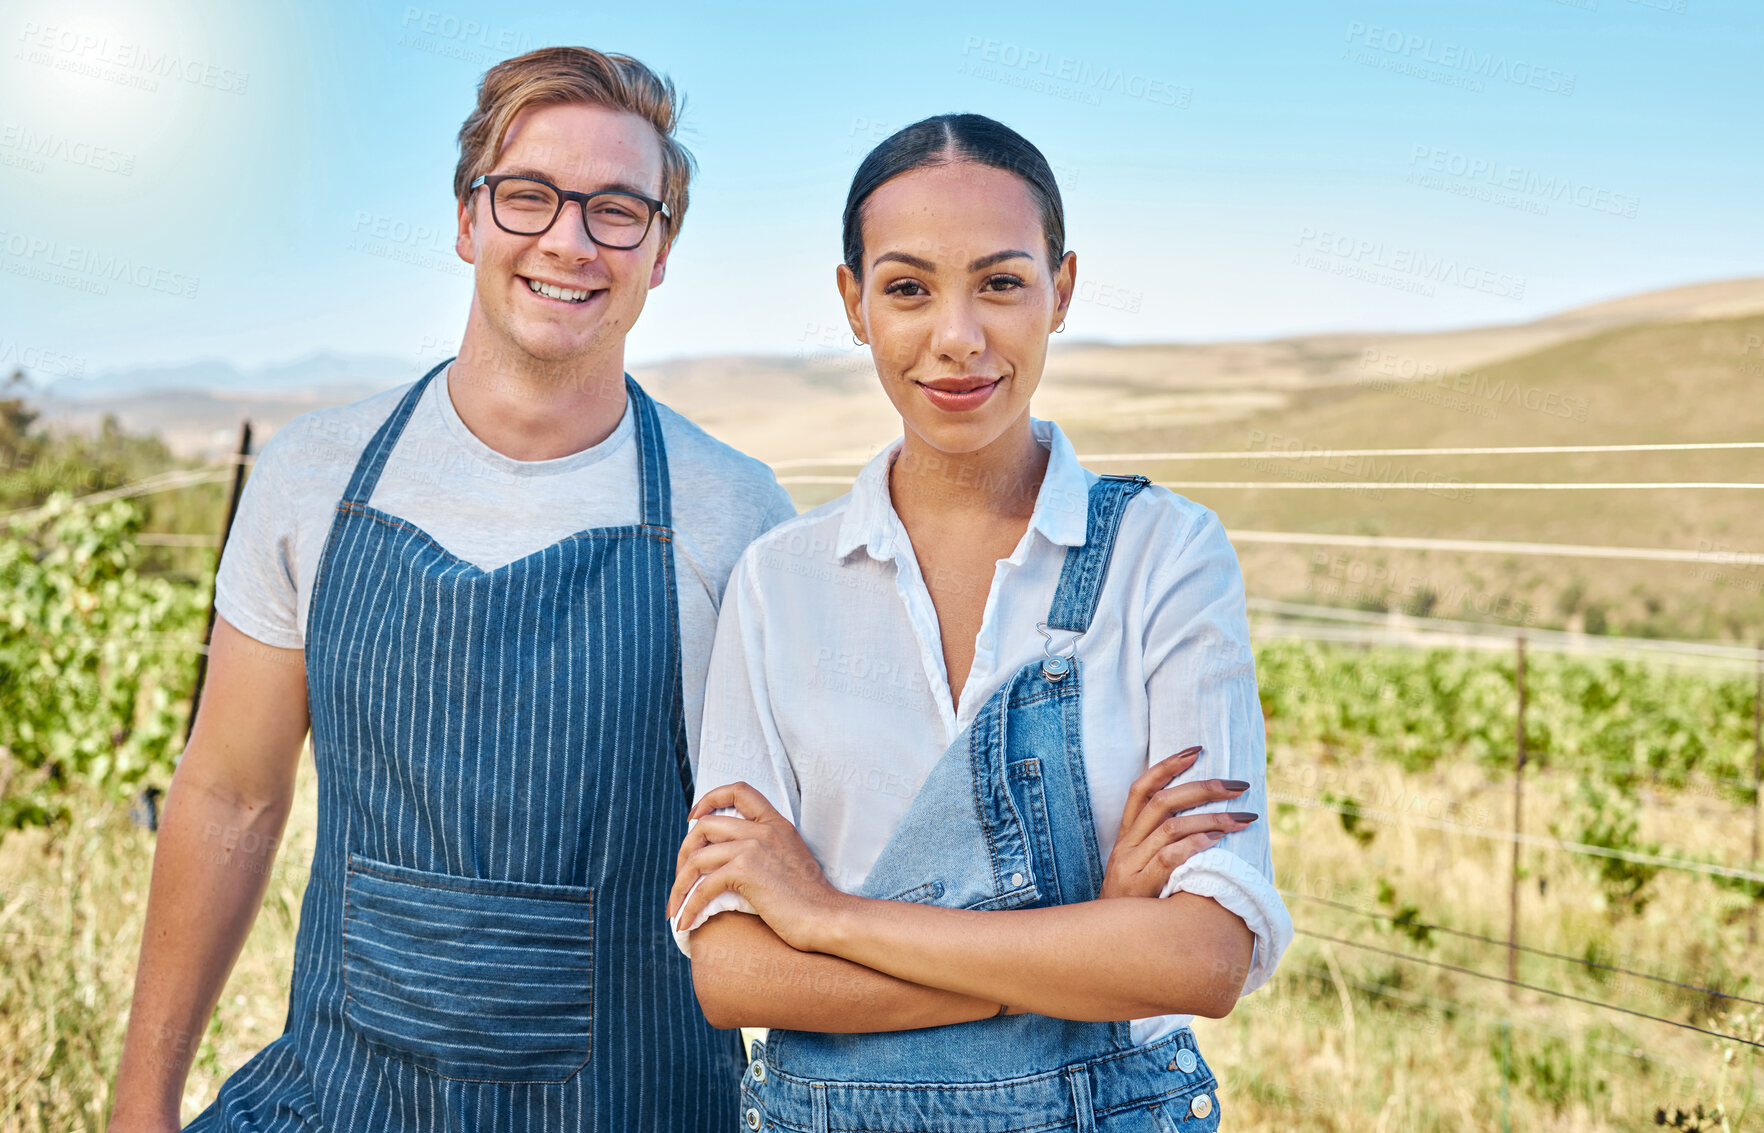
1187	753
1234	784
1243	816
1215	835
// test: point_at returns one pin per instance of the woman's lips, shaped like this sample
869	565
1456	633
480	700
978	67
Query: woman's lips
959	397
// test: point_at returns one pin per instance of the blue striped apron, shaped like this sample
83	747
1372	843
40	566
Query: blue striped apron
1002	821
501	757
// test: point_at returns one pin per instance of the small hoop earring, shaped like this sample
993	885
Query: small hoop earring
1061	327
856	341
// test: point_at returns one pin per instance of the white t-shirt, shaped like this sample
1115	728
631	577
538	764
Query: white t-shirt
488	509
827	690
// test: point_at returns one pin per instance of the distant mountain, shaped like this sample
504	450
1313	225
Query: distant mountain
822	401
321	371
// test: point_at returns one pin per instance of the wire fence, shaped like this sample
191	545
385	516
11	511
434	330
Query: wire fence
1510	982
1335	624
1516	837
1410	923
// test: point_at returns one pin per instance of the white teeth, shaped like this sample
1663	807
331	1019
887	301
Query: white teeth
551	292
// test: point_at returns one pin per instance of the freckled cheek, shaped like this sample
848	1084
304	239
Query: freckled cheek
900	343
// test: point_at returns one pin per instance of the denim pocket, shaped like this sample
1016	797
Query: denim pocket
926	894
489	981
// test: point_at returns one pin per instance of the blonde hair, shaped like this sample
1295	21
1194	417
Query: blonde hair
557	75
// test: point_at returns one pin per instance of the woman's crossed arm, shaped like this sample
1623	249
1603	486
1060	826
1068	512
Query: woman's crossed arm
824	960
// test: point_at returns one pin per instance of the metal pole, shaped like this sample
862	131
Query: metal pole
1518	809
1757	788
1506	1076
226	530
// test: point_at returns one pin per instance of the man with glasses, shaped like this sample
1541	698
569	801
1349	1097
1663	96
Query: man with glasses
490	596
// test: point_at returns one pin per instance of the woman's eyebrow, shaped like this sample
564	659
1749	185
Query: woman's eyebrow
985	262
918	264
909	260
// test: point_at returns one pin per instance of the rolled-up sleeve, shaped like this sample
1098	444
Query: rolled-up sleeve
1201	684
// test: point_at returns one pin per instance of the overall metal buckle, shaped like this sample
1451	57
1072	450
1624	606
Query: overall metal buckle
1055	666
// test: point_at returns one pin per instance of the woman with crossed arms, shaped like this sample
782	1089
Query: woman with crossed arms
933	700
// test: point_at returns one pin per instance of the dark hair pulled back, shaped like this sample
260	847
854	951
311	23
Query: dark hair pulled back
943	140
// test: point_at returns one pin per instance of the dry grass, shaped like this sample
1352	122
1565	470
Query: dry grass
1349	1039
1343	1039
72	903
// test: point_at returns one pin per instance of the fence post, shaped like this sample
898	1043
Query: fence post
1518	804
226	530
1757	787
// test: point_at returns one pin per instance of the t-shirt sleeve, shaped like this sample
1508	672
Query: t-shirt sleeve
779	507
1201	684
739	741
256	587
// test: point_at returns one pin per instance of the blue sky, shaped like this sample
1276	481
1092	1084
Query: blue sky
183	180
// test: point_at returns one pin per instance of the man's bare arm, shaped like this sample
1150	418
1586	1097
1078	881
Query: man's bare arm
224	815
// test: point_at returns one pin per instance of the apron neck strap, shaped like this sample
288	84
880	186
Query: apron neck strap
1081	576
652	458
373	459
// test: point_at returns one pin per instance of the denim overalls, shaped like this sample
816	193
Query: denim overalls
501	756
1002	821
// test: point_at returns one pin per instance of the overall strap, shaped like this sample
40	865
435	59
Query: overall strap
652	459
373	458
1081	577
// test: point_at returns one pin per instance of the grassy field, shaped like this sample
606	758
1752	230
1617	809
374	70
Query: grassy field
72	903
1648	383
1345	1038
1653	383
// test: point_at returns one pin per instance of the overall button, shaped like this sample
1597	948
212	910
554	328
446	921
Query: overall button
759	1070
1185	1061
1017	879
1200	1107
752	1118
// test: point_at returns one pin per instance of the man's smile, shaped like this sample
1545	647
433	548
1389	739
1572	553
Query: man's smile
555	292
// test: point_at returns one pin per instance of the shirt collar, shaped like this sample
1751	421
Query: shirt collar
1062	505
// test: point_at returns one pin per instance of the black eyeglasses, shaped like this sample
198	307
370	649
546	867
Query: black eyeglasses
526	206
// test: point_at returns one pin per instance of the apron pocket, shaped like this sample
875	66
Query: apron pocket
489	981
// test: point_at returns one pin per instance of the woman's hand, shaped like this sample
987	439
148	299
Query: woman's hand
1155	838
760	856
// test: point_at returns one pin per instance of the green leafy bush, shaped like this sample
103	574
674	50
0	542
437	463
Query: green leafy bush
96	660
1623	722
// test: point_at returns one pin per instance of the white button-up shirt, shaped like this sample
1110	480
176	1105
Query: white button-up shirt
827	690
